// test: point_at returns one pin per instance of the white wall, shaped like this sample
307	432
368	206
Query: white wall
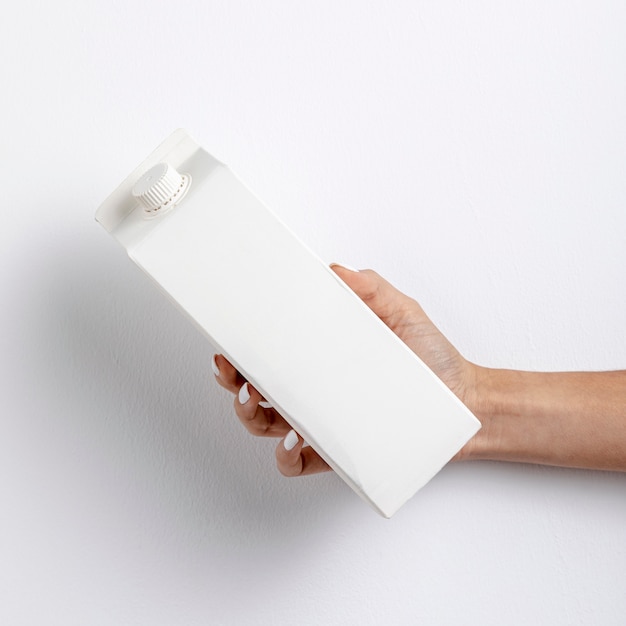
473	153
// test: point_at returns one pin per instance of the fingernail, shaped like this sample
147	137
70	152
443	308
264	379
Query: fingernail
290	440
214	367
345	267
244	394
264	404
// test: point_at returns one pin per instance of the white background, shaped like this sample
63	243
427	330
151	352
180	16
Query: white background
473	153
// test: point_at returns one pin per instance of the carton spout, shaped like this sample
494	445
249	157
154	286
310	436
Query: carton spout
160	189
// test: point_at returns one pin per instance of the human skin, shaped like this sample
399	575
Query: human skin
569	419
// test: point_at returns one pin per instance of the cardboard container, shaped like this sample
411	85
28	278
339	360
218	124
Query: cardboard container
365	402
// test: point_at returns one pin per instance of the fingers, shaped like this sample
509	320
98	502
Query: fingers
293	458
226	375
258	417
258	420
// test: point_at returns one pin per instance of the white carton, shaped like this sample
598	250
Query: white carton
365	402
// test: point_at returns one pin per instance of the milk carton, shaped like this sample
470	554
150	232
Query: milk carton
356	393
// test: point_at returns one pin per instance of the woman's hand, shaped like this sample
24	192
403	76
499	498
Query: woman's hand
404	316
571	419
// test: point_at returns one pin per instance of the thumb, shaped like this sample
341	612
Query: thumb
382	297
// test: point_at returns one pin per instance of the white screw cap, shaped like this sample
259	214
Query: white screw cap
161	188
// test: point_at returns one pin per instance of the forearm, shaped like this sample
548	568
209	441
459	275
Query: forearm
572	419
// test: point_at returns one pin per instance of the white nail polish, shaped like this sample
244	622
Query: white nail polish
214	367
244	394
346	267
290	440
264	404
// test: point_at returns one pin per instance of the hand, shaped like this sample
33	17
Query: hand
404	316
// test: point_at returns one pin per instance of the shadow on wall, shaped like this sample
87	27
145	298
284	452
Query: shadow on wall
136	383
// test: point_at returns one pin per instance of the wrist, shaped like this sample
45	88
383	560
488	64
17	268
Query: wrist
513	407
488	400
